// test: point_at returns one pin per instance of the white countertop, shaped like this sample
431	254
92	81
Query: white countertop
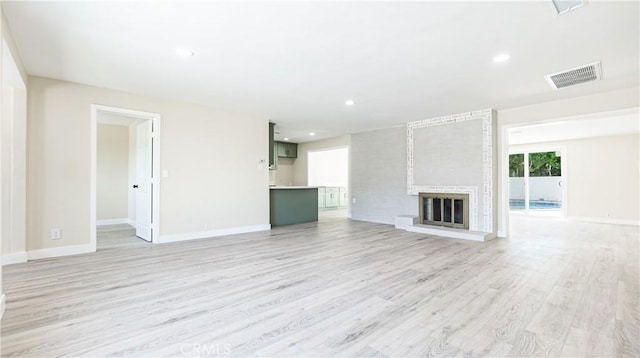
292	187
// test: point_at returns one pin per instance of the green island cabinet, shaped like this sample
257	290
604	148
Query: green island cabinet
293	205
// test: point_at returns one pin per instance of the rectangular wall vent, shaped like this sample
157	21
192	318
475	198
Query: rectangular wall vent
575	76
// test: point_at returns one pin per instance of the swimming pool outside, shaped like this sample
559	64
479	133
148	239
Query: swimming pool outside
515	204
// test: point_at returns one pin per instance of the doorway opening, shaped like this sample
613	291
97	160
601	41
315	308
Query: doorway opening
125	171
592	150
328	169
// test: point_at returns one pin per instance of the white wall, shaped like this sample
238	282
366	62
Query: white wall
112	172
215	181
300	166
284	174
379	176
602	179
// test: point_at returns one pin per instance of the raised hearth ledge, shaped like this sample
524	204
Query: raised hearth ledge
409	223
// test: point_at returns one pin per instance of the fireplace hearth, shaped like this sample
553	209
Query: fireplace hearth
444	209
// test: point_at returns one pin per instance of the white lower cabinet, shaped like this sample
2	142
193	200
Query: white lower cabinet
331	197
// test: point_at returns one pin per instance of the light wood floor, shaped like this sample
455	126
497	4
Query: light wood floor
335	288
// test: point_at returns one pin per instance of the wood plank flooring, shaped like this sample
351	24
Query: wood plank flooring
335	288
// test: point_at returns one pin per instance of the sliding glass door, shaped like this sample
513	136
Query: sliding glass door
535	182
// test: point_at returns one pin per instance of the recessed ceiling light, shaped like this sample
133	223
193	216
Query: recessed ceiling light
501	58
183	52
286	139
350	102
312	134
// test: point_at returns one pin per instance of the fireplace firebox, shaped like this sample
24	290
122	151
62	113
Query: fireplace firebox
442	209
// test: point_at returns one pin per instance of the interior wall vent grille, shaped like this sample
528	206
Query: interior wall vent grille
575	76
564	6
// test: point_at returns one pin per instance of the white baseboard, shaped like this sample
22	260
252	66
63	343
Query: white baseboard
211	233
605	221
14	258
113	222
59	251
3	305
374	221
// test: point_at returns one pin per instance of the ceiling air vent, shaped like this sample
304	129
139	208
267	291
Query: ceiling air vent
575	76
564	6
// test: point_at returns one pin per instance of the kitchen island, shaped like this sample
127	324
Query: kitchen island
293	205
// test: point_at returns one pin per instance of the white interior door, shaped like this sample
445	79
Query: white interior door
144	180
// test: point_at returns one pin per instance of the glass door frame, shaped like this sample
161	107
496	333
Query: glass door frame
526	149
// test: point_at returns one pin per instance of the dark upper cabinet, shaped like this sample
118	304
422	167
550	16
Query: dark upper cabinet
287	150
273	159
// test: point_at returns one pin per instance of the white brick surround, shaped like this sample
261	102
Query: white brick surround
479	220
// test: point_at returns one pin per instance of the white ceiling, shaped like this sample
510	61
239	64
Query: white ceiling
297	62
589	126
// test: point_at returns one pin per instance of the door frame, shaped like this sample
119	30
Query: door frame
536	148
155	118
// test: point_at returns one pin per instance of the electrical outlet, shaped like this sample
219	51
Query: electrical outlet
206	227
56	234
354	200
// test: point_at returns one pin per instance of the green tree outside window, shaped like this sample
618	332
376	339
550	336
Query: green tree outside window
516	165
545	164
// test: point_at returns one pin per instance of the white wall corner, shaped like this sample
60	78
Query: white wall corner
3	305
163	239
60	251
14	258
